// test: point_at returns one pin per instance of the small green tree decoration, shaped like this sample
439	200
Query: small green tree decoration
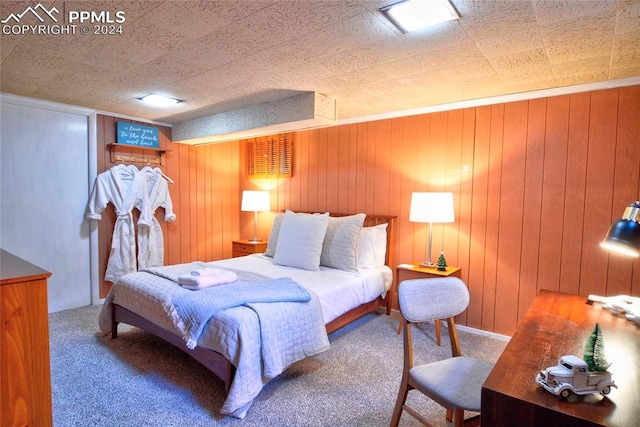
594	352
442	263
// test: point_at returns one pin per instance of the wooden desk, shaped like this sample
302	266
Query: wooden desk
25	386
558	324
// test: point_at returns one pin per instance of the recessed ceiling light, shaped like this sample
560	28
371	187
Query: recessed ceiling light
411	15
159	100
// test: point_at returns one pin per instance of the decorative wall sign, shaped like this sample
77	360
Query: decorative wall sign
138	135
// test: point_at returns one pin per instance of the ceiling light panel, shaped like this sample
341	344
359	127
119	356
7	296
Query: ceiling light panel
159	100
411	15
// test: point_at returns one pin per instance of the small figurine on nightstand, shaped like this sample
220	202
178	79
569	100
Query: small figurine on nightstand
574	375
442	263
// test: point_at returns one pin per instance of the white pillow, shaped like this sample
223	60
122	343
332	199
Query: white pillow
273	236
300	240
341	242
372	247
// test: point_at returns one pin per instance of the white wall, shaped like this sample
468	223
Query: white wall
44	188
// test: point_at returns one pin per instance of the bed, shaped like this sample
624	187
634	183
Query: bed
246	345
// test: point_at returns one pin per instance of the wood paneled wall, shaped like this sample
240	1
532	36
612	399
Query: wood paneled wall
536	185
204	195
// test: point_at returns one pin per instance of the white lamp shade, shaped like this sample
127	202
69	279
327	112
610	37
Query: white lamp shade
255	201
431	207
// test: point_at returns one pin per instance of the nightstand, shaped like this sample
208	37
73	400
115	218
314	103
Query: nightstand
244	247
413	270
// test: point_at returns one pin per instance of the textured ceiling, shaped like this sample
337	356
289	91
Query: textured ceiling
220	56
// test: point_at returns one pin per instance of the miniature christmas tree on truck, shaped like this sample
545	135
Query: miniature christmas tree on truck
574	375
594	352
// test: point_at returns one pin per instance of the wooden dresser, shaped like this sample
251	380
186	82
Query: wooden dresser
25	388
558	324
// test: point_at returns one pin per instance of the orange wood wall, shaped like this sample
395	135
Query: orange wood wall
536	184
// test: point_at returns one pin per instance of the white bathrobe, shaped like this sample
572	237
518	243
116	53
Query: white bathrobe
121	185
155	194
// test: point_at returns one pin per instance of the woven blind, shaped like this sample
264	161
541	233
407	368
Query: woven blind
269	156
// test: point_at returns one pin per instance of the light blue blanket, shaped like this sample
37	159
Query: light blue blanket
192	310
260	339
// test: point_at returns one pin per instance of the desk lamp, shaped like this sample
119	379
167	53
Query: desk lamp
623	236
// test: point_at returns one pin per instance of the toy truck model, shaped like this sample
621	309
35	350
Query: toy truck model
572	375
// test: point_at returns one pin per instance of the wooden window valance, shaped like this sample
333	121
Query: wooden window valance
269	156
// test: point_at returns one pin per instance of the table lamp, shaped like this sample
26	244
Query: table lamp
623	236
255	201
431	208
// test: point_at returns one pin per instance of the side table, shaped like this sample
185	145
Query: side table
413	270
246	247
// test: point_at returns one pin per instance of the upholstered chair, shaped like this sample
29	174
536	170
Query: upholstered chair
455	383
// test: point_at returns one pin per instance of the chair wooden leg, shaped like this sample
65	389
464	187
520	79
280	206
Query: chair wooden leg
458	417
402	398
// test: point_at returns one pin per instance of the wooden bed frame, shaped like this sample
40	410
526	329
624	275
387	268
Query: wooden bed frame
216	362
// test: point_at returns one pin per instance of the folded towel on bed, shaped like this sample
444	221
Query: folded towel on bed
212	278
207	271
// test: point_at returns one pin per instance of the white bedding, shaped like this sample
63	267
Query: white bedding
337	292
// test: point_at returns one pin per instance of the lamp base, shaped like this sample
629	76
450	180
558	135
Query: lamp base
255	240
428	264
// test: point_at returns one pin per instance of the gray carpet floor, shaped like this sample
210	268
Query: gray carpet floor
139	380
